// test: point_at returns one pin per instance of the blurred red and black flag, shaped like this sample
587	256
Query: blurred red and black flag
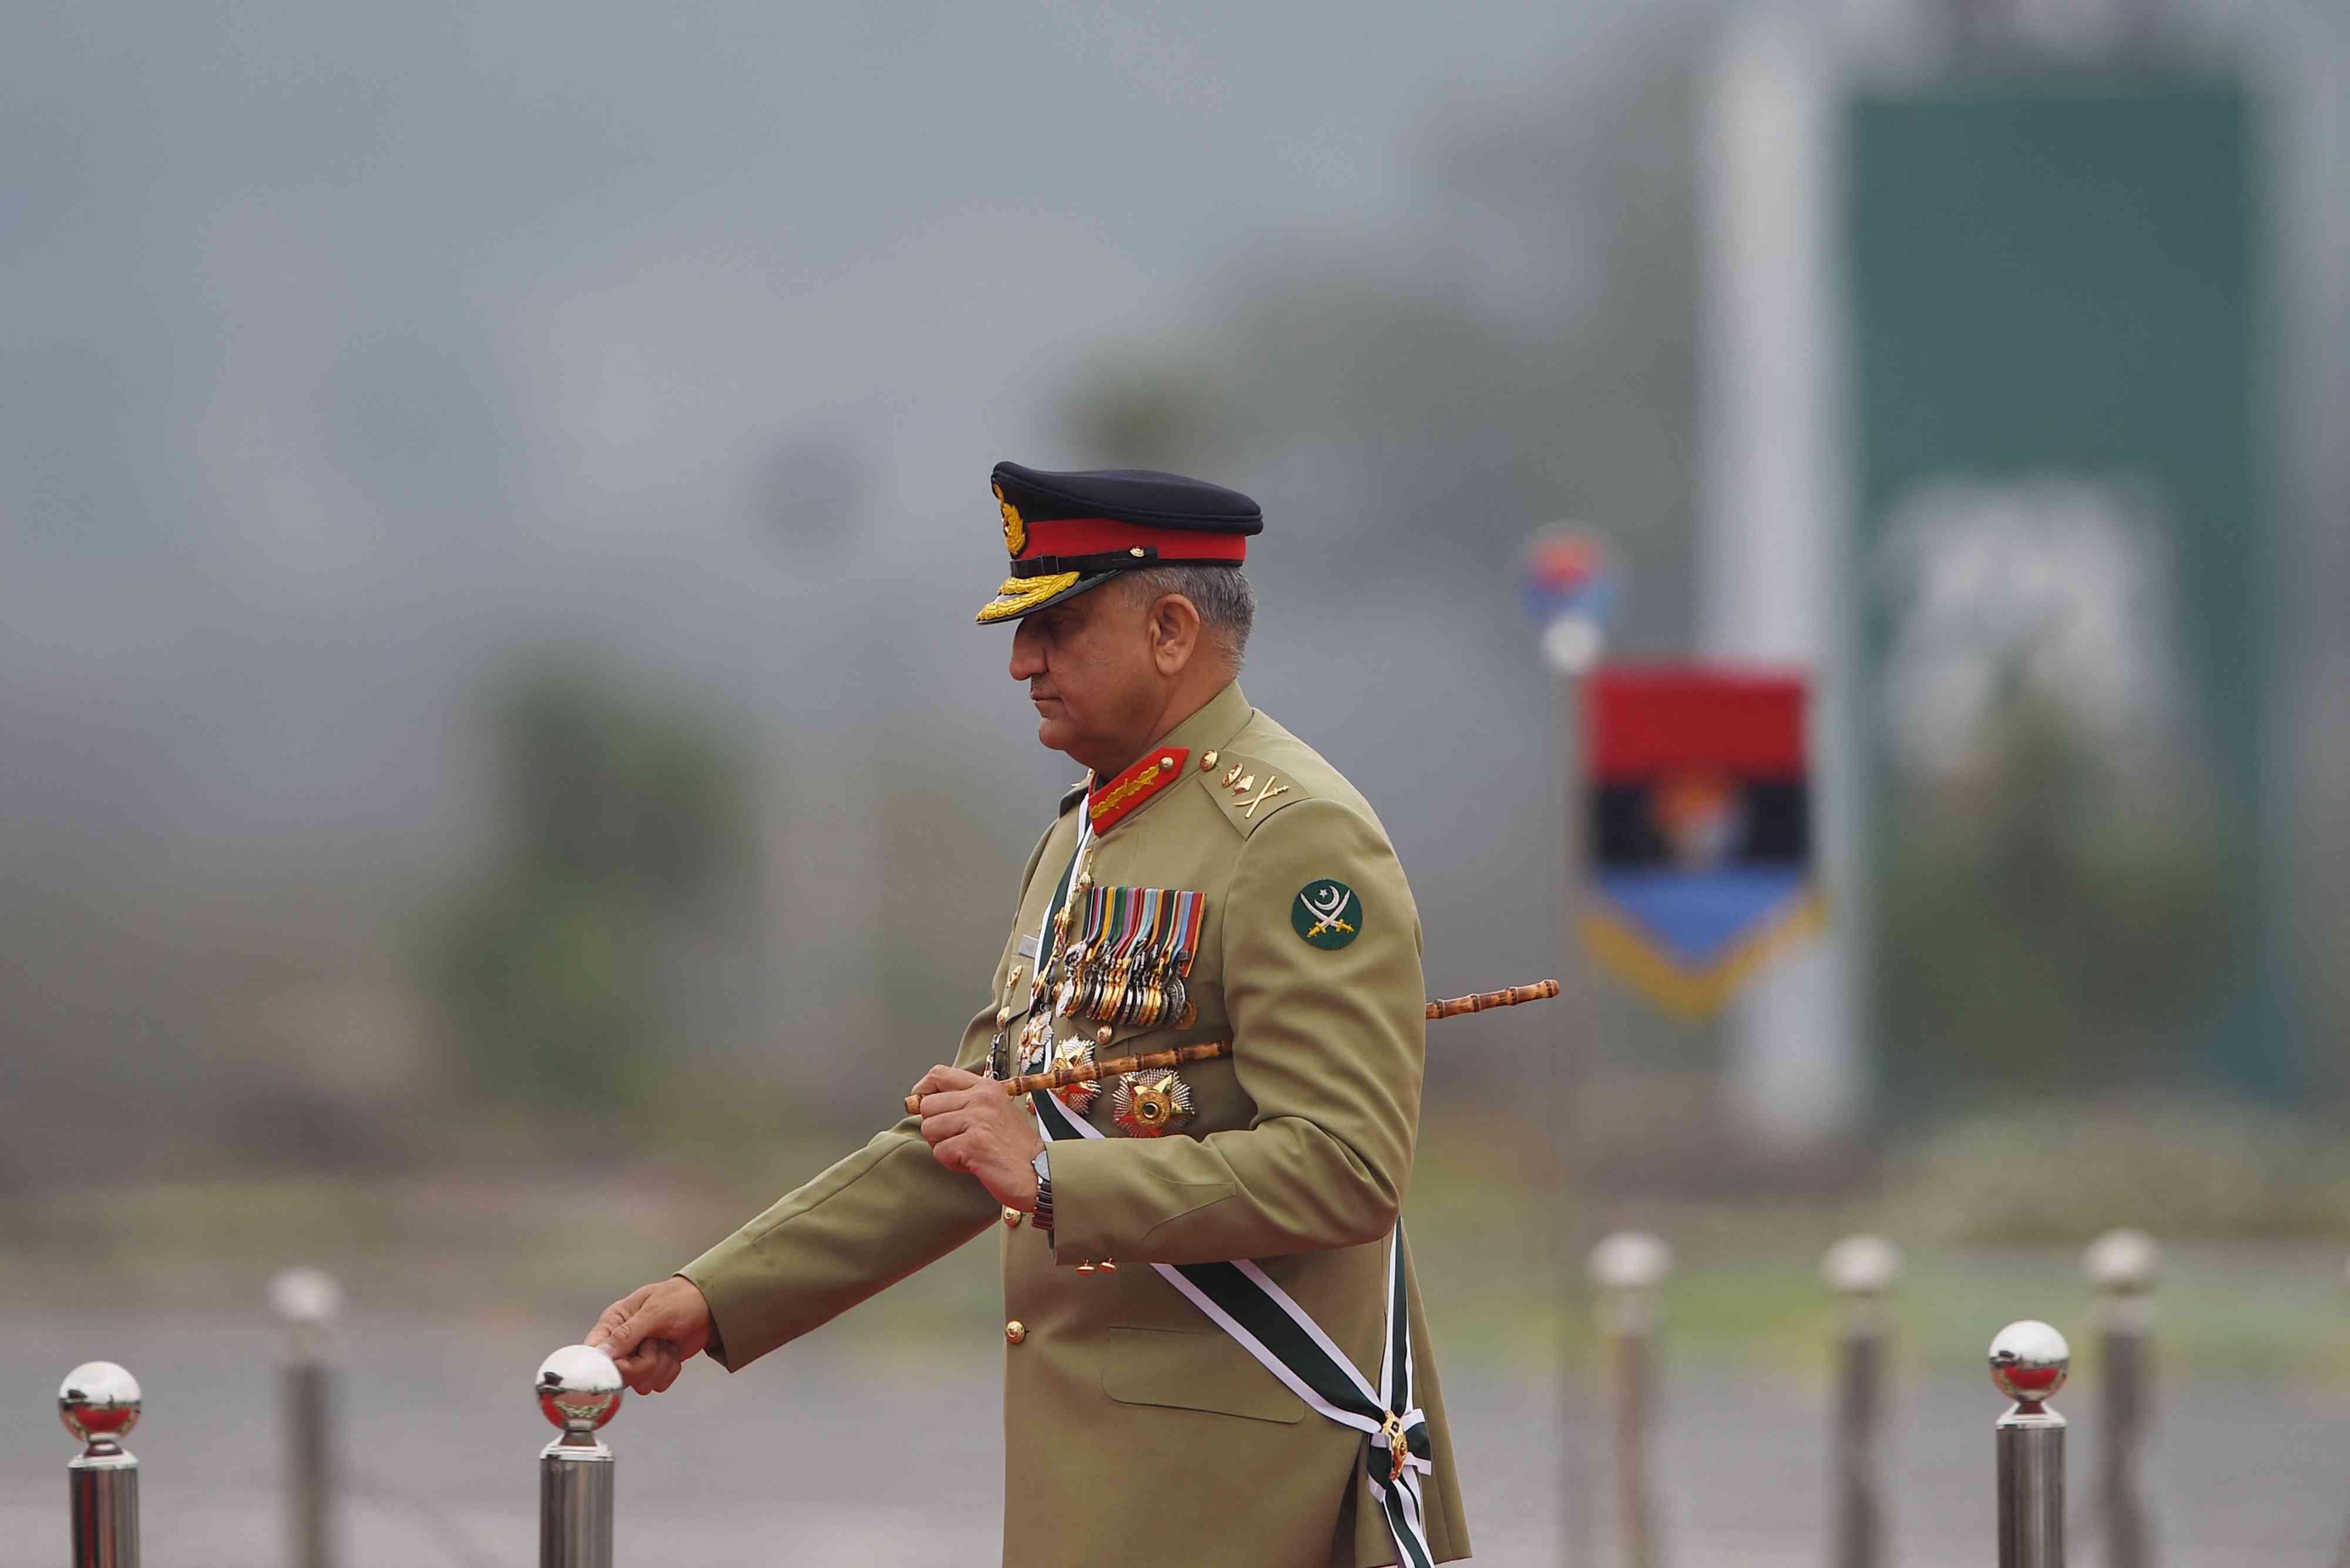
1700	837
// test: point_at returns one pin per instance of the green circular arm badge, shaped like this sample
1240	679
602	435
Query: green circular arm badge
1327	914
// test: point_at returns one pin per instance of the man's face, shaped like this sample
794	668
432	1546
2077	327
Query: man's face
1088	662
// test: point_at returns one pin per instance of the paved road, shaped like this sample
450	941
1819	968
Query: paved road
833	1452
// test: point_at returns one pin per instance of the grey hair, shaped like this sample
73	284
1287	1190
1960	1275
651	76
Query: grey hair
1222	594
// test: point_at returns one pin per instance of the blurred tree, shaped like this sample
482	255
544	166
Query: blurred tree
2045	924
1519	347
621	834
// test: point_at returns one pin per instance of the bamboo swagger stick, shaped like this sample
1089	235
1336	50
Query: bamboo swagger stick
1089	1072
1454	1006
1086	1073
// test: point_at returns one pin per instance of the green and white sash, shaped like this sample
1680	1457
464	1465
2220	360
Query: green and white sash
1241	1299
1245	1303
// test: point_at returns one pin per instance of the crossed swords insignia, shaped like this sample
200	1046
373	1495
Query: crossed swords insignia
1326	908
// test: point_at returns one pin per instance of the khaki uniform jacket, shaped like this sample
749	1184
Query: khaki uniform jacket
1137	1431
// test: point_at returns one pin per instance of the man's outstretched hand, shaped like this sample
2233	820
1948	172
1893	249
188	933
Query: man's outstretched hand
973	1125
653	1331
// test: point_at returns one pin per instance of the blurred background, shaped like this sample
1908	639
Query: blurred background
498	779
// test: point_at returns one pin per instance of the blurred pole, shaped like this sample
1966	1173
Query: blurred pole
308	1302
2123	1267
1858	1271
1773	519
578	1390
2342	1553
1628	1267
99	1403
2028	1362
1571	646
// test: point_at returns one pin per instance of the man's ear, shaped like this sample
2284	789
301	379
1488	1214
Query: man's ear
1174	633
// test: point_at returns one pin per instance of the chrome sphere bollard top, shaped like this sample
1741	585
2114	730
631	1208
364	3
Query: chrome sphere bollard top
2029	1362
1861	1266
2124	1262
305	1298
1628	1267
309	1304
98	1402
578	1390
1630	1260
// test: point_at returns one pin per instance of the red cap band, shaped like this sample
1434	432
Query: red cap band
1103	535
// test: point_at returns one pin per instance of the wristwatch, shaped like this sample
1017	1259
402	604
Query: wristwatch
1042	1218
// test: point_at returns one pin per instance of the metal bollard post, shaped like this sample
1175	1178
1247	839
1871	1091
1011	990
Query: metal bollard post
98	1402
578	1390
1628	1267
308	1302
1859	1270
2341	1552
2028	1362
2123	1267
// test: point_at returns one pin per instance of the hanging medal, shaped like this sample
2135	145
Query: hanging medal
1192	910
1143	959
1153	1005
1099	904
1136	959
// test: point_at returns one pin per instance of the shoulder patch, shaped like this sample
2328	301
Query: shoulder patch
1249	791
1326	913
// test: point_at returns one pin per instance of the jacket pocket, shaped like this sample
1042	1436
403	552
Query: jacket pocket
1193	1372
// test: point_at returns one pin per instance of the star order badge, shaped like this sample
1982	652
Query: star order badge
1150	1105
1075	1053
1327	913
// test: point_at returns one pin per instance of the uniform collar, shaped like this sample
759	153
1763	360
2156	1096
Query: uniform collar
1112	801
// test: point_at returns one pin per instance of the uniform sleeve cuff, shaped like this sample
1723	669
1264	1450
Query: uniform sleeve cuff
708	1275
1106	1202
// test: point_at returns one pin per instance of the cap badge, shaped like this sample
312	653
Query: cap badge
1015	530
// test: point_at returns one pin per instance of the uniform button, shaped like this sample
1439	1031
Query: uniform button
1108	1267
1206	762
1011	1218
1086	1268
1016	1331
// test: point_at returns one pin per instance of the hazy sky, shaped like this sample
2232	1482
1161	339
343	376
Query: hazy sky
342	339
346	343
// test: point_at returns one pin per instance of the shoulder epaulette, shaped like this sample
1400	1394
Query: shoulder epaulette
1249	791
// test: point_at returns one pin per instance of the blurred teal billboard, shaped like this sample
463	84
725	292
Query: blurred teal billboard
2064	560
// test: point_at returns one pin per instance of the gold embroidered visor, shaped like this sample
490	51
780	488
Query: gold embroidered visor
1018	596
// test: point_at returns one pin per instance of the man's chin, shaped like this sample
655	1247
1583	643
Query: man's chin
1054	732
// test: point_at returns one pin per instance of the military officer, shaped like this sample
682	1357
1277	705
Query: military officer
1215	1351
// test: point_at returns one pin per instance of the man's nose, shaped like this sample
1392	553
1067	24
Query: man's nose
1027	653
